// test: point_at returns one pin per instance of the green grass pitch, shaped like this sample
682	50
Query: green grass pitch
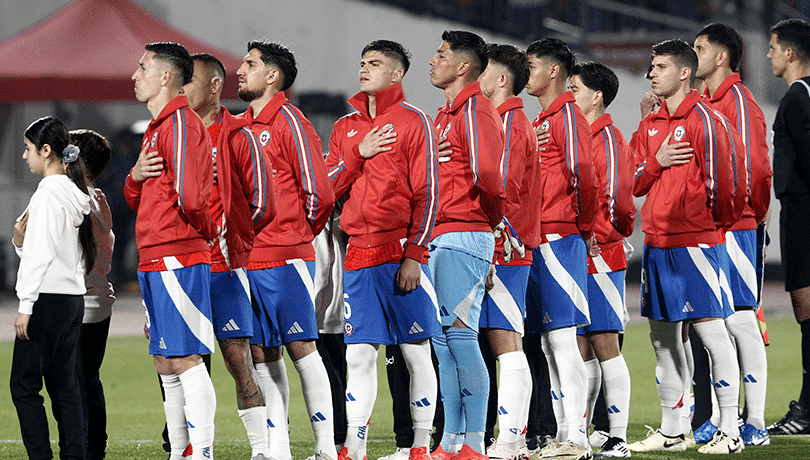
135	414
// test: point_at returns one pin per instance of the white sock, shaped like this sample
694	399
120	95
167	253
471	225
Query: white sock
175	415
686	409
594	373
361	392
573	381
514	395
273	376
725	372
318	398
423	389
556	396
255	421
753	363
670	367
616	383
200	408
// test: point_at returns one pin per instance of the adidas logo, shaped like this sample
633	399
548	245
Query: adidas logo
721	384
444	311
749	379
554	396
349	397
687	308
546	318
502	411
415	329
613	410
162	344
421	403
189	425
270	424
351	133
295	329
466	392
318	417
652	132
231	326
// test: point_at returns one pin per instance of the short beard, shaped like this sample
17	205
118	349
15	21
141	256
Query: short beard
248	95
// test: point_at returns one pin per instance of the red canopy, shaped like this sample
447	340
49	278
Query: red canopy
88	51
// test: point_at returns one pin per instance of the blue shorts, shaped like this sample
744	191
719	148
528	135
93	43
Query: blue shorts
742	256
557	294
178	310
606	302
377	311
504	306
230	304
681	283
458	267
283	309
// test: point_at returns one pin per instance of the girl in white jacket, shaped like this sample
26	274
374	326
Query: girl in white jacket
56	247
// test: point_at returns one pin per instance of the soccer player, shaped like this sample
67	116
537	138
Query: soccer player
684	154
789	52
169	189
470	207
556	299
594	87
282	261
719	50
504	304
243	203
384	154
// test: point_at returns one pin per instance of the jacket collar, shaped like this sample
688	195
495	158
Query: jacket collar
730	81
558	103
269	111
385	99
179	102
468	92
600	123
686	105
510	104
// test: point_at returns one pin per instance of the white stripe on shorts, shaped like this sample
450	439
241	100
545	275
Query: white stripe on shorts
241	273
743	264
564	279
611	293
501	296
199	325
424	282
306	278
462	311
706	270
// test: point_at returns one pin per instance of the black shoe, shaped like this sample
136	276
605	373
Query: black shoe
795	422
544	441
531	444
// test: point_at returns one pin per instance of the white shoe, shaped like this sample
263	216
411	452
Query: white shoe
571	451
722	443
598	438
613	448
507	451
551	446
402	453
656	441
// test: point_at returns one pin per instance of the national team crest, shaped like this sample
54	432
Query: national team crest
679	133
348	328
154	141
446	130
545	125
264	137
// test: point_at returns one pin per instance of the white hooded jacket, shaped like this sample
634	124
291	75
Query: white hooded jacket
51	256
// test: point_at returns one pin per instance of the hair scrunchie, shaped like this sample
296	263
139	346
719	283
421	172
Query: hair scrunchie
70	154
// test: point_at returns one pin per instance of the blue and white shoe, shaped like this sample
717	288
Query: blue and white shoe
705	433
752	436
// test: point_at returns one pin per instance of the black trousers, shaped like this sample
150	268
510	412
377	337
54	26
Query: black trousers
92	344
333	352
541	413
50	354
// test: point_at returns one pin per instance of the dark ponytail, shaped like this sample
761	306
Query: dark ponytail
51	131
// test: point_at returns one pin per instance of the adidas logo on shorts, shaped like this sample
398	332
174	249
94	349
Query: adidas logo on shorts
546	318
687	308
295	329
231	326
162	344
415	329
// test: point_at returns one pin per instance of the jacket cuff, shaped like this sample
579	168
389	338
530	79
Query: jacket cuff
654	167
417	253
132	184
354	161
26	307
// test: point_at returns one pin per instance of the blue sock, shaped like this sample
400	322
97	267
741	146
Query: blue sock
451	396
473	380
